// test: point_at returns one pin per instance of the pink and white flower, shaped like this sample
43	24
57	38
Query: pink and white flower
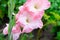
37	5
23	10
15	31
28	18
28	23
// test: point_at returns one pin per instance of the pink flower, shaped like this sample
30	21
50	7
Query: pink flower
37	5
5	31
15	31
28	18
16	36
23	10
31	26
16	28
28	23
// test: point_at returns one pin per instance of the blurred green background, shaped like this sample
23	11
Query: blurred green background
51	16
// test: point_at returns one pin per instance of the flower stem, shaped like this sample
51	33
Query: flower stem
11	5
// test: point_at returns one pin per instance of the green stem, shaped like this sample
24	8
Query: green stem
38	34
11	5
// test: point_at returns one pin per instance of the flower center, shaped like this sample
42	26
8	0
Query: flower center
27	20
36	6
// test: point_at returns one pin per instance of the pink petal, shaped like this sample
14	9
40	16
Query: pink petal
16	28
46	4
5	30
27	30
16	36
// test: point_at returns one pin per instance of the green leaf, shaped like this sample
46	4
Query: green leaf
24	37
1	14
58	23
1	36
58	35
46	16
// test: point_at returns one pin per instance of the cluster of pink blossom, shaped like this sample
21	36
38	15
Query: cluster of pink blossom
28	17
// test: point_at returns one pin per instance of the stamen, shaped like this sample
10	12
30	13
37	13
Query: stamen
36	6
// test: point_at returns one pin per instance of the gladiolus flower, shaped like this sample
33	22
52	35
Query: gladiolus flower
28	23
28	18
15	31
37	5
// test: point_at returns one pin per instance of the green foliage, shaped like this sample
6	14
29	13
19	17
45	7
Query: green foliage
58	36
26	36
2	36
52	16
3	7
